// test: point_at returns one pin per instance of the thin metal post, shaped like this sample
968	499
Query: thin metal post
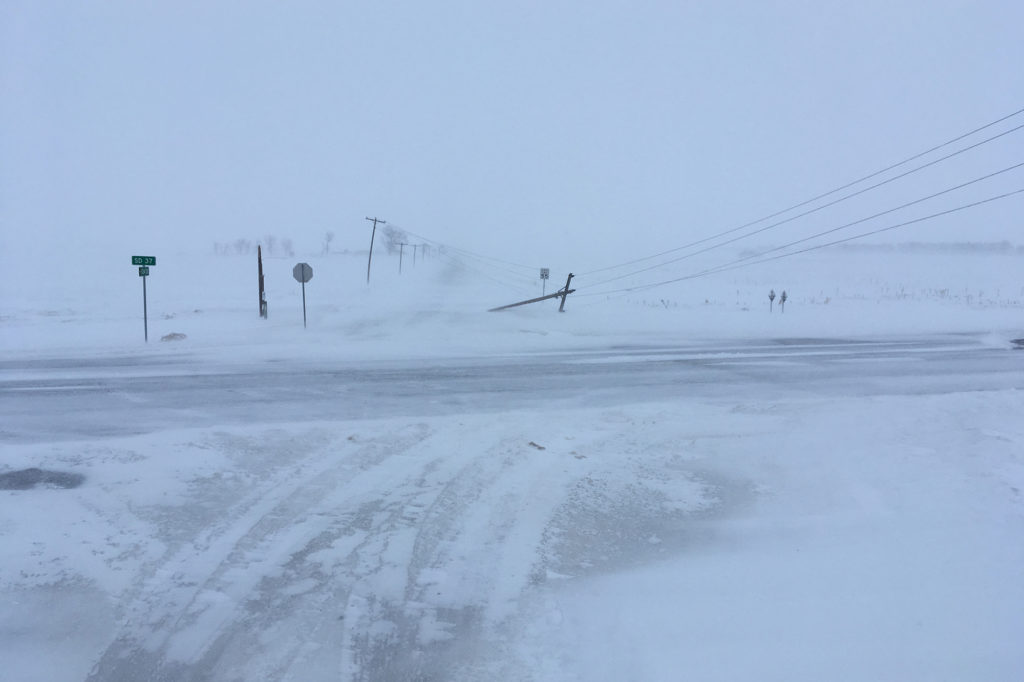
145	312
303	305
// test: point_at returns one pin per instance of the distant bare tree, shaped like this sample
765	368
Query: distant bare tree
272	246
328	238
393	236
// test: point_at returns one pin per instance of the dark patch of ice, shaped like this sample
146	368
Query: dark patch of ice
809	341
25	479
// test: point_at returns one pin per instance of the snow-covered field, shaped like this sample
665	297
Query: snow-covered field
661	485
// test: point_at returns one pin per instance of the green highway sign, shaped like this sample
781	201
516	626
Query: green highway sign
143	260
143	271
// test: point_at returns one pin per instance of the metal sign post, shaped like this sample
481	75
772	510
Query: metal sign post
302	272
544	274
144	262
144	273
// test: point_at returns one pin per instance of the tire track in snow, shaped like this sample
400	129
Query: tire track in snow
406	559
181	608
473	555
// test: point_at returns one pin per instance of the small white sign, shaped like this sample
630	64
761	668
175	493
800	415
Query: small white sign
544	273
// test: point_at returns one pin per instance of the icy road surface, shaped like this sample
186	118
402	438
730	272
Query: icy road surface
778	510
140	394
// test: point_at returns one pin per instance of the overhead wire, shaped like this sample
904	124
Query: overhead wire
841	227
468	252
455	254
831	192
741	263
891	210
458	255
880	230
781	222
462	264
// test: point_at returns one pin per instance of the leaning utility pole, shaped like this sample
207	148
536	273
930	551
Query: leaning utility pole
565	292
372	235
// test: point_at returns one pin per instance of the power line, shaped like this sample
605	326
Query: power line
452	252
890	227
489	263
842	227
831	192
469	253
458	263
457	256
888	168
891	210
741	263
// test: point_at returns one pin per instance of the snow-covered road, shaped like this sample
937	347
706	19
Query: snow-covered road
124	395
775	510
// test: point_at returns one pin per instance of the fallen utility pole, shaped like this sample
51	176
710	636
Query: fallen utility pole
558	294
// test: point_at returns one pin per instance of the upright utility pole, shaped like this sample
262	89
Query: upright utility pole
414	247
372	235
263	291
401	250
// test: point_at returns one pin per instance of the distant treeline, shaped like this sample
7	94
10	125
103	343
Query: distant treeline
272	246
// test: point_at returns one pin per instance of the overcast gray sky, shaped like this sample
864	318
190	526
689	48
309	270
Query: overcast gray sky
566	131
